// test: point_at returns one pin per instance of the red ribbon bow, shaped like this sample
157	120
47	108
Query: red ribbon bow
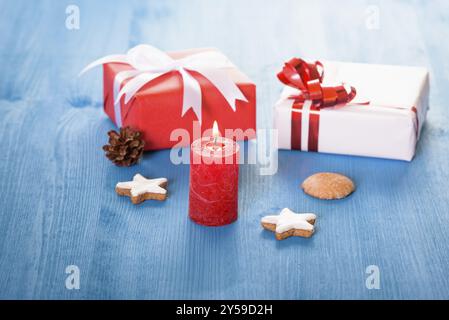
307	78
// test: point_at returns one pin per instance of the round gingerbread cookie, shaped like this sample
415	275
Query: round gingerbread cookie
328	185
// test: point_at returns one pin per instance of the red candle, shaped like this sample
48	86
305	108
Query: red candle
214	175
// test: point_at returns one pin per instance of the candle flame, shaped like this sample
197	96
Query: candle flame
215	131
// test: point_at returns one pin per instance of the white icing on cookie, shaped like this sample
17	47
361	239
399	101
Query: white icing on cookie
140	185
288	220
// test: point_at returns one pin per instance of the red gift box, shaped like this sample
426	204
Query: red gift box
156	108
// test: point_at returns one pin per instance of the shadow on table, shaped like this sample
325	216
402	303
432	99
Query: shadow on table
212	258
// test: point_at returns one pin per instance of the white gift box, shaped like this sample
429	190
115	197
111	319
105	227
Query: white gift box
388	126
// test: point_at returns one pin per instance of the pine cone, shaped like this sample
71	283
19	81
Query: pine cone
124	148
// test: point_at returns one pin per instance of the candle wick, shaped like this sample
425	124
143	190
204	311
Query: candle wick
215	140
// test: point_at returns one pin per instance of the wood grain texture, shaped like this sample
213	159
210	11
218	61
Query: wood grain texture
57	199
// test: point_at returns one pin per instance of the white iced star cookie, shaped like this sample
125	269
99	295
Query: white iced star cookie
141	189
289	223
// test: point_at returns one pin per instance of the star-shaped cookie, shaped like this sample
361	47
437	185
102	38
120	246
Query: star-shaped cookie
289	223
141	189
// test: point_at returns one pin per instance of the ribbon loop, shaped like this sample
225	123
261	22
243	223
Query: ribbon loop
143	56
308	79
149	63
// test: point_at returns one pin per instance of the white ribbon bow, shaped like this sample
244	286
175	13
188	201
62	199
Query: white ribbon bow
149	63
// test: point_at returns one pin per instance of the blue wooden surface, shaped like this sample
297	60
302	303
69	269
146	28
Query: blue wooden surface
57	200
